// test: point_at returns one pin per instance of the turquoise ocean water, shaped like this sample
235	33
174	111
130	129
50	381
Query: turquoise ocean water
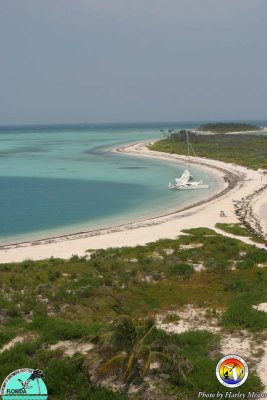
64	179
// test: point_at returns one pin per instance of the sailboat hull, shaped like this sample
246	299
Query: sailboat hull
192	187
187	187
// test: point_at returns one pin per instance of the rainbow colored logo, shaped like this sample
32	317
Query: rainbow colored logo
232	371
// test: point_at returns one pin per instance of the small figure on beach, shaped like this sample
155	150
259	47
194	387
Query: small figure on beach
222	213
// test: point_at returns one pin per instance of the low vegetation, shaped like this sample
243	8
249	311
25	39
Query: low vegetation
249	150
239	230
240	314
57	300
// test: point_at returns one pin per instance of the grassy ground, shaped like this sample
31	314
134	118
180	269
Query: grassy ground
238	230
66	300
248	150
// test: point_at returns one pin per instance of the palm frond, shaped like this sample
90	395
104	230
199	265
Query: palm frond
130	367
114	366
92	361
147	358
112	339
124	322
126	329
174	361
147	334
86	339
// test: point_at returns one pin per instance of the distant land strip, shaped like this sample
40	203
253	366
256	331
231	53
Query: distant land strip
226	127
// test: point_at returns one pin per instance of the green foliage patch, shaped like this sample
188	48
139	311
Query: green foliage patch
249	150
241	315
238	230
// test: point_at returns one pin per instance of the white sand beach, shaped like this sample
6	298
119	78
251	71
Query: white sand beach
236	182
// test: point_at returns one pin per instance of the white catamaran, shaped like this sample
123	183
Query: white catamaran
186	181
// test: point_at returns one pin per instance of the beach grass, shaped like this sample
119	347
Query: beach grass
56	300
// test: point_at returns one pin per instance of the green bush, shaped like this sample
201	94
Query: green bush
54	329
184	270
240	314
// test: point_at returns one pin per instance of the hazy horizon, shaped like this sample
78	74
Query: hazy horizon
115	61
128	123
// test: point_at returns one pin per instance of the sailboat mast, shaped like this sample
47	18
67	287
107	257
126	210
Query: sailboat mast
188	151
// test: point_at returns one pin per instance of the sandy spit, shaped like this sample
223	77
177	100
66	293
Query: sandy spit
236	182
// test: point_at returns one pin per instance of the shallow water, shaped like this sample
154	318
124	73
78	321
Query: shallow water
57	180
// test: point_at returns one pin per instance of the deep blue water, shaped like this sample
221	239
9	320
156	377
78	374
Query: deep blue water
40	203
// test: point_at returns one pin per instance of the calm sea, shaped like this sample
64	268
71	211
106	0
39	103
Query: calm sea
64	179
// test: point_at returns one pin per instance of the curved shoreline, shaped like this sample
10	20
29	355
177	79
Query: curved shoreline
231	180
147	229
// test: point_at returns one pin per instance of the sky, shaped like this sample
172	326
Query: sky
89	61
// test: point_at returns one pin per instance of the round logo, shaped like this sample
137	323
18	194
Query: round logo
24	384
232	371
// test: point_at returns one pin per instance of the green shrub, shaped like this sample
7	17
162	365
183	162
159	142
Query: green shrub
54	329
184	270
152	301
53	275
199	231
240	314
